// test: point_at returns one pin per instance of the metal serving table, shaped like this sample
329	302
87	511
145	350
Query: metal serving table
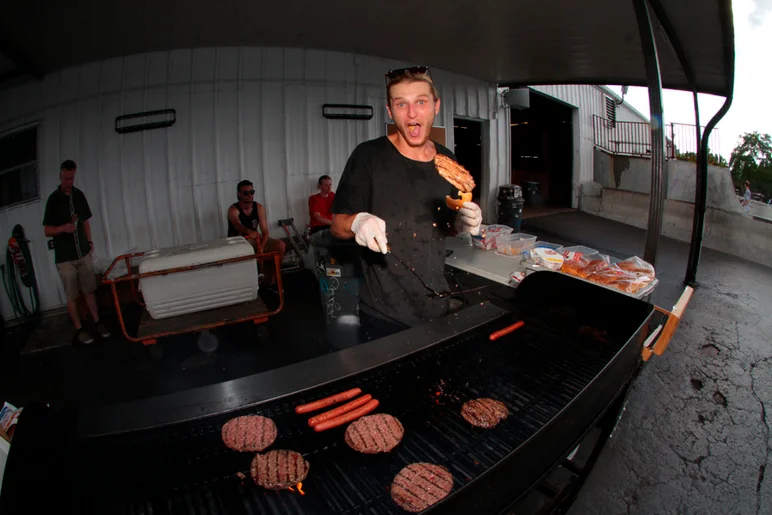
481	262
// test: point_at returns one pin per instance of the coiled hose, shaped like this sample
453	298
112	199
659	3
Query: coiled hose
14	282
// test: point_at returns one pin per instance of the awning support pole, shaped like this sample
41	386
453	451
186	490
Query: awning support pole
701	177
654	80
700	201
701	193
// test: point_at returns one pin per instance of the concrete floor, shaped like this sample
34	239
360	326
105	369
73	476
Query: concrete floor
695	435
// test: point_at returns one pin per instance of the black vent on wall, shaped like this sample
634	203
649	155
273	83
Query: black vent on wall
145	121
611	112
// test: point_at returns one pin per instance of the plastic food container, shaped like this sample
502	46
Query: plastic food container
489	235
585	251
514	244
547	258
547	245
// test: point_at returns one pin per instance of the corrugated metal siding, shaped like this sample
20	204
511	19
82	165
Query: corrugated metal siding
466	98
251	113
588	100
626	114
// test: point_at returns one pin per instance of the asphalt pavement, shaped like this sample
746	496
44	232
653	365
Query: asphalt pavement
695	434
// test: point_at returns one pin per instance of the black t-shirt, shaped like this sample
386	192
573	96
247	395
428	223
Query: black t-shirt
410	196
250	221
59	211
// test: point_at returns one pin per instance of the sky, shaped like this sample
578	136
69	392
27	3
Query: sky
752	105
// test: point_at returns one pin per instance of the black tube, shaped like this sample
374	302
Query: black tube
701	193
654	79
701	196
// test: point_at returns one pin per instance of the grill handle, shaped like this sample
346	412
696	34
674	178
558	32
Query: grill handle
673	319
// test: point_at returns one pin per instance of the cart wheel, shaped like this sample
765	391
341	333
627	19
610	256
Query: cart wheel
156	351
263	333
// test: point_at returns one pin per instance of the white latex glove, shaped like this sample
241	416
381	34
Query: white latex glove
370	231
469	218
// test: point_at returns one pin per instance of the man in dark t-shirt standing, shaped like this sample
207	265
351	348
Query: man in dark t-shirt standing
391	187
66	220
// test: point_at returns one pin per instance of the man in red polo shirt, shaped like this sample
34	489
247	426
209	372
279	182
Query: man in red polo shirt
320	205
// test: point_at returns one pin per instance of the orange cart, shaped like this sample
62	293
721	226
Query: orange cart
150	330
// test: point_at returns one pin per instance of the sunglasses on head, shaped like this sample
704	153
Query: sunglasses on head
248	192
401	72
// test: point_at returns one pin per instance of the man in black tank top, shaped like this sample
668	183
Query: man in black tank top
245	217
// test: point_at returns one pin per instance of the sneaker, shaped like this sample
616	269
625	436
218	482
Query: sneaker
102	330
83	336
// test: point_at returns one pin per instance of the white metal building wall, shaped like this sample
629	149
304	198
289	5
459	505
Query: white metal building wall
251	113
588	100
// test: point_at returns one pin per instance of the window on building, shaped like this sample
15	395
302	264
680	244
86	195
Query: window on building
611	112
19	167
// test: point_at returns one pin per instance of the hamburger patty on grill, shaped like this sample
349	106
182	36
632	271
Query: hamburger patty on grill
374	433
277	470
420	485
249	433
484	412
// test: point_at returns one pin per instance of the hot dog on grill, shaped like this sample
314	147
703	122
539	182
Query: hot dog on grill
503	332
347	417
327	401
327	415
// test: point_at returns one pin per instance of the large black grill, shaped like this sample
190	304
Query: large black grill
186	469
557	375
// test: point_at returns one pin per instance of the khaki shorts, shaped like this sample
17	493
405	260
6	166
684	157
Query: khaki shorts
77	275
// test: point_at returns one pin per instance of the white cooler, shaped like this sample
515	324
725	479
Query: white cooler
198	290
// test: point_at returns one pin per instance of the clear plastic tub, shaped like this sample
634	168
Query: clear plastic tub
576	251
514	244
547	245
489	234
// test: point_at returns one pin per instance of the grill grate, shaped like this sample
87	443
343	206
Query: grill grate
535	371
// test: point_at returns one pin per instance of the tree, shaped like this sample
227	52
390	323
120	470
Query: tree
751	160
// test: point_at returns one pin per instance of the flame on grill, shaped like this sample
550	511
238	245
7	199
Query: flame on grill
299	489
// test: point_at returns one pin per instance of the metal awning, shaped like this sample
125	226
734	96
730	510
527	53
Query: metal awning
687	45
502	42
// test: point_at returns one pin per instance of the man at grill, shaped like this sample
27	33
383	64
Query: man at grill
391	200
66	220
245	217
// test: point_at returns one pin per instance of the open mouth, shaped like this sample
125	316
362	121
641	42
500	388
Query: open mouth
414	129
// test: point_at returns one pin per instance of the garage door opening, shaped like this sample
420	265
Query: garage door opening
542	151
467	137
